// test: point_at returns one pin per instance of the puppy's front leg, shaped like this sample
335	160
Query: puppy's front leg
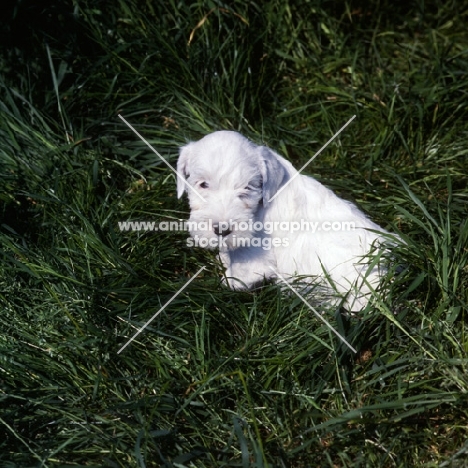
226	261
228	280
247	267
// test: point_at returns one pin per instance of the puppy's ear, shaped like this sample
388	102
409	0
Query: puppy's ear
274	174
183	171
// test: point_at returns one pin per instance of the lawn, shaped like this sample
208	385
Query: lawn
222	378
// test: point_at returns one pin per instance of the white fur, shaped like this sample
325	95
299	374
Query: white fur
237	179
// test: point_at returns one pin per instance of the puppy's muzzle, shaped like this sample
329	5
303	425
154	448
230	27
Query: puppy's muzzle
221	230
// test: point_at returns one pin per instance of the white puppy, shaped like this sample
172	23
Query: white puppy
304	230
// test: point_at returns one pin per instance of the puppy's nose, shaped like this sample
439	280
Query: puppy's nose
223	231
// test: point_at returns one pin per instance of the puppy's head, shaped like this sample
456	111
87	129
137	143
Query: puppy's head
229	181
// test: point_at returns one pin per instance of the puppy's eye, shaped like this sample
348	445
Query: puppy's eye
254	185
203	185
246	192
250	188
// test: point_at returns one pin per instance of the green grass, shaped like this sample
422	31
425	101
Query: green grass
223	378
